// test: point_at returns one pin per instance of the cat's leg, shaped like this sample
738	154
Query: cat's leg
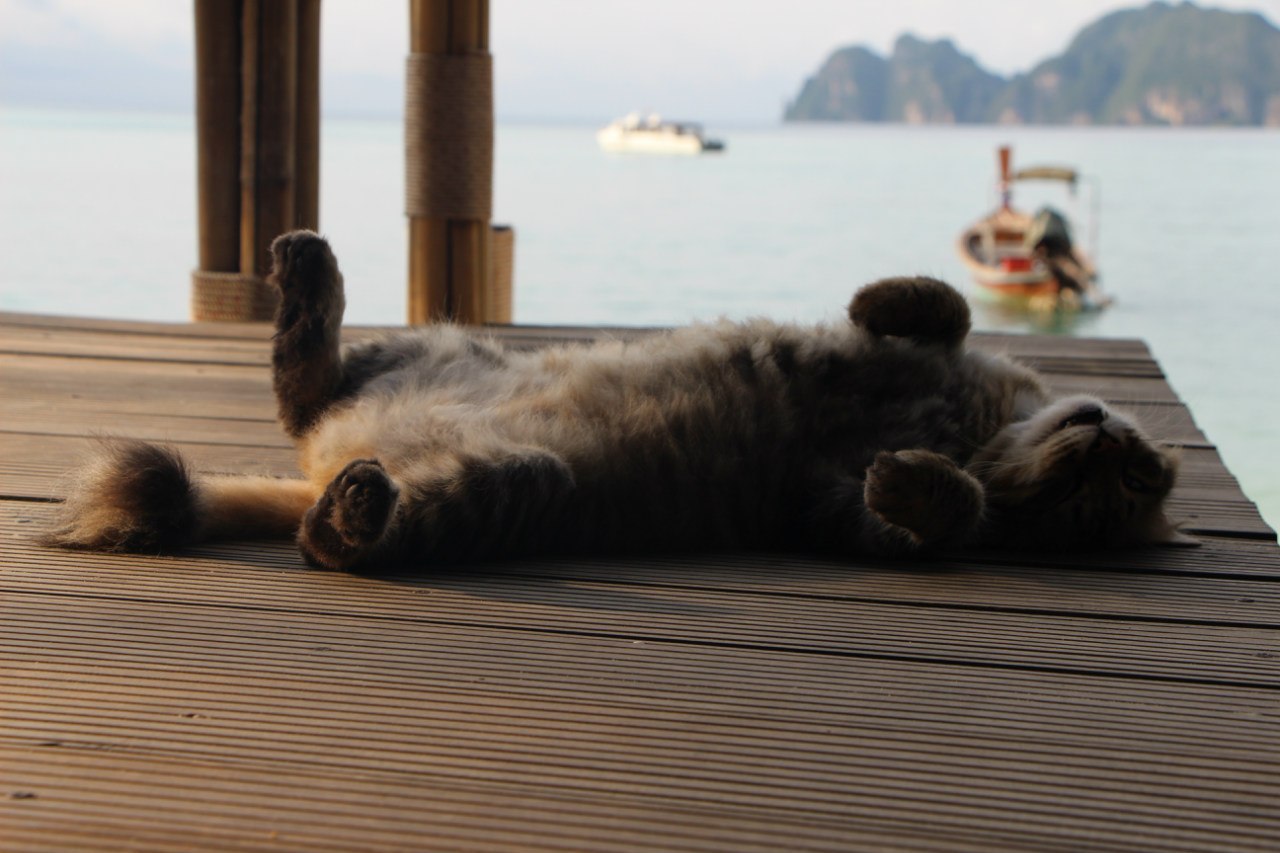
923	309
499	504
907	501
306	358
467	510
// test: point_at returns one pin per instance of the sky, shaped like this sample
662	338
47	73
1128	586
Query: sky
734	61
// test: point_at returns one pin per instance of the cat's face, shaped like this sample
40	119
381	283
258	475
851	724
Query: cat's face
1077	474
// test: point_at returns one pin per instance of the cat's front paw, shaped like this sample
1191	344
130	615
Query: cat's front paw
351	516
924	494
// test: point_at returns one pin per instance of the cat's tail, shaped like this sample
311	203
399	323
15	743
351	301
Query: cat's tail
142	497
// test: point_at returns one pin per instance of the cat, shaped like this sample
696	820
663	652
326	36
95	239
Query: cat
882	435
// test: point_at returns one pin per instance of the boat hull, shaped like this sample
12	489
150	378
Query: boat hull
642	142
994	252
655	136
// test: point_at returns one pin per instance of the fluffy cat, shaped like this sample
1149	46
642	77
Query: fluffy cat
883	435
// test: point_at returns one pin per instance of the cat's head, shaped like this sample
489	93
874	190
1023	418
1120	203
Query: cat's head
1077	474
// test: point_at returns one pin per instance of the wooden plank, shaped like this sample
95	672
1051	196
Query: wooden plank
34	376
161	428
69	324
241	647
334	812
827	771
1068	715
878	768
107	345
1221	654
1049	349
45	462
1034	584
1046	347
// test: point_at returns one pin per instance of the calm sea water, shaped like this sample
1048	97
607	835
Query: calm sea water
97	217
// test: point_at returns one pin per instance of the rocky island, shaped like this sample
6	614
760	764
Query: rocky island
1162	64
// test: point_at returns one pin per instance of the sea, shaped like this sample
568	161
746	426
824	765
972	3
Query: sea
98	218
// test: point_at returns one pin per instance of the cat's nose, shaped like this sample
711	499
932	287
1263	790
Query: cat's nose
1090	415
1105	442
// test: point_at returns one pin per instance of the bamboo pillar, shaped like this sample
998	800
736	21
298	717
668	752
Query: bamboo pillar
306	167
263	129
449	160
218	74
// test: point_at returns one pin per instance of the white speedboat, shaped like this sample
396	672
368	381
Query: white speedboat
652	135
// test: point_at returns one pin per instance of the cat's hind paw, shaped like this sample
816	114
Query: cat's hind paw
351	517
921	308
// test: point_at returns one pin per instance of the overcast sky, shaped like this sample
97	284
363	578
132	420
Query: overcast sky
715	60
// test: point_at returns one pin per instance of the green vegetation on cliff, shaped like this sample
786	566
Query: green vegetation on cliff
1162	64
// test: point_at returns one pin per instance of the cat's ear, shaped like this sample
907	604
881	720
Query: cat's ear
1172	456
1161	531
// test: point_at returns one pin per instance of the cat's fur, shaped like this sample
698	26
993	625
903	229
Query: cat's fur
881	435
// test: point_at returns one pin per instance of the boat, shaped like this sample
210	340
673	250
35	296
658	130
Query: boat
652	135
1030	260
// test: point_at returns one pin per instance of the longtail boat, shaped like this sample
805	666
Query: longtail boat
1017	257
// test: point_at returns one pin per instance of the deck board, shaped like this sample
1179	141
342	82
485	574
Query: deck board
230	699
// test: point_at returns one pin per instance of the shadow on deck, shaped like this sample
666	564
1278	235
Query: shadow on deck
232	699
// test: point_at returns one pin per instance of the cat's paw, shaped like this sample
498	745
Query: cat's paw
923	493
924	309
351	516
362	498
303	265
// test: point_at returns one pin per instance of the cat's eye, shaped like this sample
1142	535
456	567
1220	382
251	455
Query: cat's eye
1133	484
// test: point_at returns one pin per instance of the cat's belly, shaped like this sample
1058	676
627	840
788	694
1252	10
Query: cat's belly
405	433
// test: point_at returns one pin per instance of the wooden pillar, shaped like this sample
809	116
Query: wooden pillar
306	185
264	129
218	75
449	160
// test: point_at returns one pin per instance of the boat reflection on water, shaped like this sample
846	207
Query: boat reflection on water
1005	316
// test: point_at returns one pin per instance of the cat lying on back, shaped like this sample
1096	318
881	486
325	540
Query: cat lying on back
883	435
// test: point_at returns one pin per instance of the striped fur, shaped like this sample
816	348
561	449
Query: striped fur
882	434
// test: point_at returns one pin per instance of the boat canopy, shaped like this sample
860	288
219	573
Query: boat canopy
1046	173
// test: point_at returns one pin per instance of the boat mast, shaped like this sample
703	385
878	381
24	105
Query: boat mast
1006	184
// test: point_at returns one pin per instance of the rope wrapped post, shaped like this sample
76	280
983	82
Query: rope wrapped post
502	274
258	138
449	160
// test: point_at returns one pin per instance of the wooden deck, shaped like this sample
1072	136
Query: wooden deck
231	699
